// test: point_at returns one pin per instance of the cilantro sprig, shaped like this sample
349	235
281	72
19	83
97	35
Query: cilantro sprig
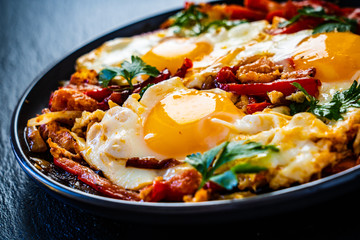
193	22
332	22
333	110
209	162
128	70
225	23
191	19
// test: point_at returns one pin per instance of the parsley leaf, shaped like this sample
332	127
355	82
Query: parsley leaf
338	27
332	110
227	24
203	162
332	22
106	75
190	19
128	70
305	11
143	90
226	152
193	22
229	179
308	105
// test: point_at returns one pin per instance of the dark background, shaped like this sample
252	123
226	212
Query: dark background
36	34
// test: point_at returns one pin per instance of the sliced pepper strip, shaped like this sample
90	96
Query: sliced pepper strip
100	184
238	12
173	189
99	94
262	5
256	107
284	86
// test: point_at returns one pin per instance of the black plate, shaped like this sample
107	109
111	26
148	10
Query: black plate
36	98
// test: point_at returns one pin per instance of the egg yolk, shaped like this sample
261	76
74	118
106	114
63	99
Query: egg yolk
170	54
183	123
335	55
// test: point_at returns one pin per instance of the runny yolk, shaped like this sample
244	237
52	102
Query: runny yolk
335	55
170	54
183	123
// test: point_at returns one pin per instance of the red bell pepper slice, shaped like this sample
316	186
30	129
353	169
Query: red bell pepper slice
284	86
227	75
99	94
262	5
173	189
187	64
238	12
288	11
276	13
164	75
256	107
89	177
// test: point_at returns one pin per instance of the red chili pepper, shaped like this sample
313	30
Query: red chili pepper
164	75
89	177
188	4
99	94
256	107
276	13
284	86
158	192
175	188
118	97
187	64
238	12
103	105
288	11
262	5
213	186
227	75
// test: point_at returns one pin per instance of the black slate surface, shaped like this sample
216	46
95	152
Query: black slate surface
35	34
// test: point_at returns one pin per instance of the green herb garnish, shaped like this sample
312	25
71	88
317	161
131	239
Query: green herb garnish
338	27
332	110
193	22
191	19
210	161
143	90
332	22
227	24
128	70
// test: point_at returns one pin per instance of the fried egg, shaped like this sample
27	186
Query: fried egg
170	121
336	57
171	53
114	52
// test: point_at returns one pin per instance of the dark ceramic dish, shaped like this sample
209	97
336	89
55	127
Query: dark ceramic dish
35	99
